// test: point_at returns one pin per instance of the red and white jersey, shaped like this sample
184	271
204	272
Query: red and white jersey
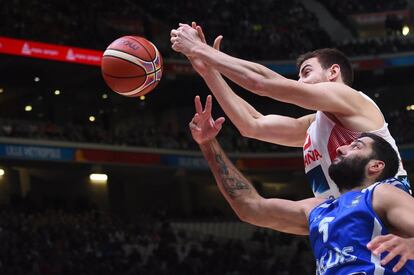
324	136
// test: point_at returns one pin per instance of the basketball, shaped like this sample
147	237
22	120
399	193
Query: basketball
131	66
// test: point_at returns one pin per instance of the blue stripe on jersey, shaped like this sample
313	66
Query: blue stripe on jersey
339	231
318	180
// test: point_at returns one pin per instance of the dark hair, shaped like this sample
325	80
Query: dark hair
382	150
328	57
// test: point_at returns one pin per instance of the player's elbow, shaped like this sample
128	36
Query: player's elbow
245	217
245	132
246	211
250	129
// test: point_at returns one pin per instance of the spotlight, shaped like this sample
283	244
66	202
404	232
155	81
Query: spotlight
405	30
98	178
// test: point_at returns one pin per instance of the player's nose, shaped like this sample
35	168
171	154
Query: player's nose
341	150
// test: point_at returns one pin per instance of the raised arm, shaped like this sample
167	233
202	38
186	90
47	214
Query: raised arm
261	80
282	215
276	129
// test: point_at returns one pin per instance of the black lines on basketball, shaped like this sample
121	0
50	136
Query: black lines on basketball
145	48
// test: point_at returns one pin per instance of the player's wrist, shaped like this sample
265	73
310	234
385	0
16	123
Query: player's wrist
197	49
207	143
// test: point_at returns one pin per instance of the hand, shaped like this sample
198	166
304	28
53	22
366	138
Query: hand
196	62
184	39
395	246
203	127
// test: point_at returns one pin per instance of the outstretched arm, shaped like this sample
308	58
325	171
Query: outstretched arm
261	80
282	215
276	129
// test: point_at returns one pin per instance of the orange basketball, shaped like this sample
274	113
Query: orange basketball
131	66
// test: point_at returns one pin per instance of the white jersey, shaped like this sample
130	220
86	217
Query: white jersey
324	136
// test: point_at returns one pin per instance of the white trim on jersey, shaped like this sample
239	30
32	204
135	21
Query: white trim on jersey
376	231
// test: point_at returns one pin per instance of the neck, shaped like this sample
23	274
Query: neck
364	184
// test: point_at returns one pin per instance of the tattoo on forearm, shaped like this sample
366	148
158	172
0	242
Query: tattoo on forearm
233	182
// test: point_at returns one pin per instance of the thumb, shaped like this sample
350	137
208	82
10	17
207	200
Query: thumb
201	34
217	42
218	123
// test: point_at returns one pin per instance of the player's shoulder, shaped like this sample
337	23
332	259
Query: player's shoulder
398	183
388	194
389	187
346	92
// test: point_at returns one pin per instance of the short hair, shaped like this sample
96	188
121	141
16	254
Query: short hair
328	57
382	150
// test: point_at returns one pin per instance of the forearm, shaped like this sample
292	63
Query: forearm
245	73
236	189
241	113
276	129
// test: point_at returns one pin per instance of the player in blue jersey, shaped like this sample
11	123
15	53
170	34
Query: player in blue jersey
368	229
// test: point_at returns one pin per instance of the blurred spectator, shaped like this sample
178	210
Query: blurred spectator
59	242
253	30
250	30
375	46
138	133
367	6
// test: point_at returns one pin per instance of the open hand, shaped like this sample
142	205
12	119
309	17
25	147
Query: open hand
203	127
395	246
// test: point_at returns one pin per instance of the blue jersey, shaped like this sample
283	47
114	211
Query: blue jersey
339	231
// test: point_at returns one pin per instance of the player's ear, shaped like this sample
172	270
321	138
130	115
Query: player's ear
334	72
375	166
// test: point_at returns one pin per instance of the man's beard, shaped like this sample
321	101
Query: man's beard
348	173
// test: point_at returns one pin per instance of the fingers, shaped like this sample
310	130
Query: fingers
199	31
175	47
219	123
201	34
217	42
184	25
377	241
174	33
394	245
194	123
391	255
198	105
383	244
174	39
400	264
207	108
